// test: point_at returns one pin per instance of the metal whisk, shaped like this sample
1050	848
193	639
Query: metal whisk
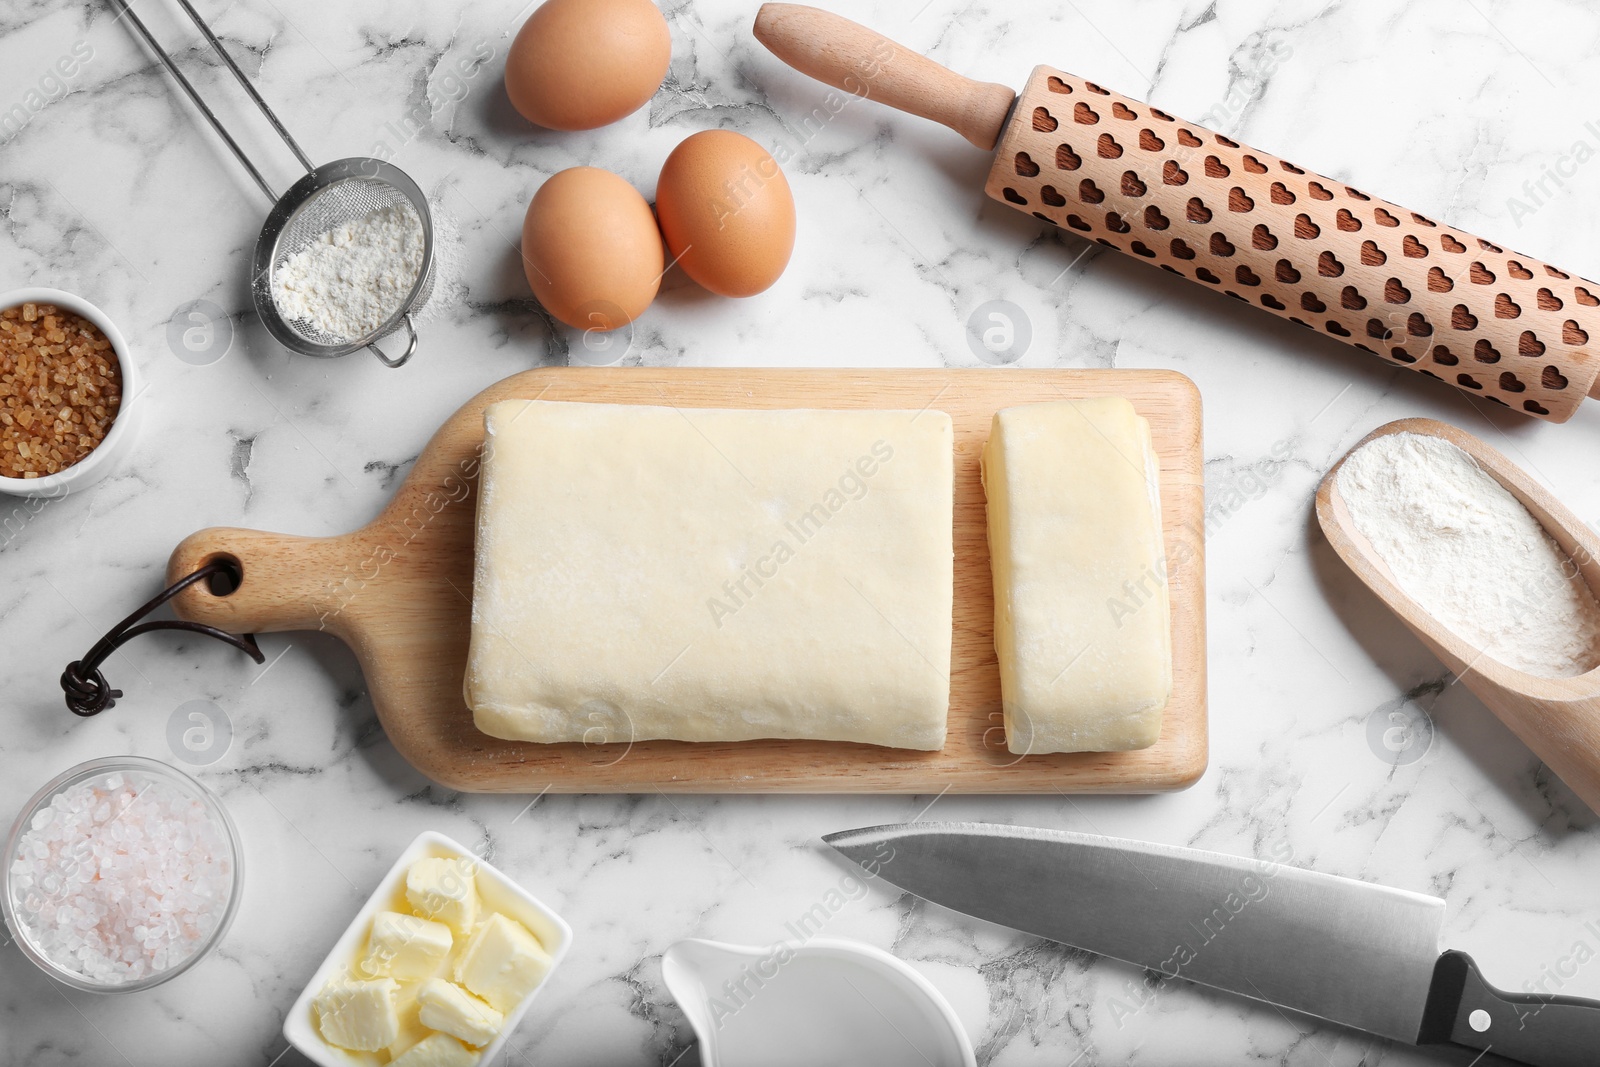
324	198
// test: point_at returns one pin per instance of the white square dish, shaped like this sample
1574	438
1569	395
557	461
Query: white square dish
498	892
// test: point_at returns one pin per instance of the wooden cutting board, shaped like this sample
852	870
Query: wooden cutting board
399	593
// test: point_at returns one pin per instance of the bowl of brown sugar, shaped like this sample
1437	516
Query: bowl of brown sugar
67	384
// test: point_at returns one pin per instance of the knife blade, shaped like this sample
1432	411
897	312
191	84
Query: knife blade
1353	953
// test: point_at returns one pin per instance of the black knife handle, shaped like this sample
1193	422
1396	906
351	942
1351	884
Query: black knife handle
1536	1029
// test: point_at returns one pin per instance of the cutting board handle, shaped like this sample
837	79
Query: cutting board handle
286	582
848	56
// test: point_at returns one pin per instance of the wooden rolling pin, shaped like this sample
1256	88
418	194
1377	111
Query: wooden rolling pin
1307	248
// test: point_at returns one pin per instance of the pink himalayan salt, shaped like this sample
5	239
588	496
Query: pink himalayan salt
121	877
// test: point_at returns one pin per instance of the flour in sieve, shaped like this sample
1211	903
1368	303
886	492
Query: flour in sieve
1471	555
350	279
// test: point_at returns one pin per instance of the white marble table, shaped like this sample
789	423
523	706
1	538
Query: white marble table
115	190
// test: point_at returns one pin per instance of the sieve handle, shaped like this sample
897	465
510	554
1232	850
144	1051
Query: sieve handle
411	346
125	11
216	45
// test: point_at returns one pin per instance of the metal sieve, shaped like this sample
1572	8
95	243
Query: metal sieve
329	196
324	198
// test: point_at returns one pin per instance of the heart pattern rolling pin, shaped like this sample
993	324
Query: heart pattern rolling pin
1339	261
1305	247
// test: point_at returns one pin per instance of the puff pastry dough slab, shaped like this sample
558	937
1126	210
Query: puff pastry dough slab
712	575
1082	627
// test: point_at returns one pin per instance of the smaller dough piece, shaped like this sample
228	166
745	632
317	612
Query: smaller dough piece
1082	627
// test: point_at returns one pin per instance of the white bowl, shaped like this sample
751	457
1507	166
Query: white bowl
818	1001
119	440
499	893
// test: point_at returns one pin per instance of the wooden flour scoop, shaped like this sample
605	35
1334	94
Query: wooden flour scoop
1196	203
1558	718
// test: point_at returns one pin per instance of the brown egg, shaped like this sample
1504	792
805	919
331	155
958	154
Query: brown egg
591	249
726	212
579	64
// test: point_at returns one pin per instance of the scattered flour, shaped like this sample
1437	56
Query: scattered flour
349	280
1470	554
449	288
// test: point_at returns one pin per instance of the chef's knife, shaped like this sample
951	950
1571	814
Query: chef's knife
1350	952
1196	203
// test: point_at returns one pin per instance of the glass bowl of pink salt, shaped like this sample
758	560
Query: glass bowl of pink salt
120	874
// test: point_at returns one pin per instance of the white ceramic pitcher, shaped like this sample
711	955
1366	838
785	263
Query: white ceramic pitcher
813	1004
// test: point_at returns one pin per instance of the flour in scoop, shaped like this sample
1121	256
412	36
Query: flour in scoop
349	280
1471	555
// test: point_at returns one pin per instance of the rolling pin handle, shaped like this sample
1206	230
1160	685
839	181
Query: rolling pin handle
848	56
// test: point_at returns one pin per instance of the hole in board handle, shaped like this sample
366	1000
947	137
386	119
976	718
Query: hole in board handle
226	581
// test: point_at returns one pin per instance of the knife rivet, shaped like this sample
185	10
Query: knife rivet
1479	1020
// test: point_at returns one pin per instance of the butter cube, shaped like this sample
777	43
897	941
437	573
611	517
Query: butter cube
502	962
449	1008
446	889
405	946
437	1050
409	1011
358	1014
